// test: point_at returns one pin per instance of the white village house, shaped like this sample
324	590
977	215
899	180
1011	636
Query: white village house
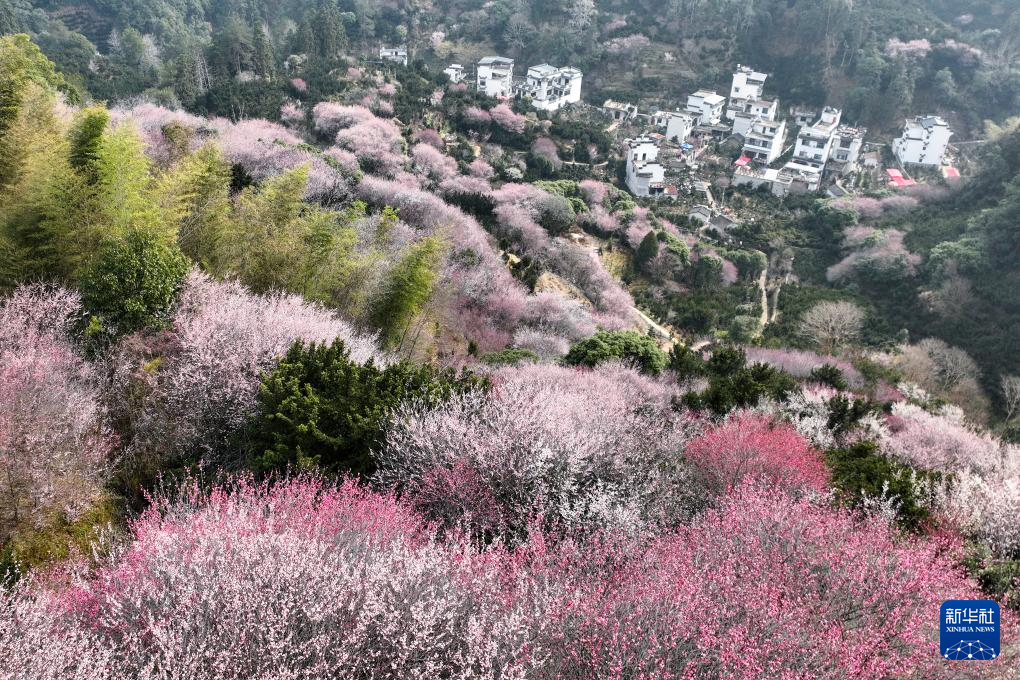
747	103
679	126
924	141
814	142
707	106
397	54
455	72
620	111
645	175
744	112
764	141
846	150
496	76
551	88
747	83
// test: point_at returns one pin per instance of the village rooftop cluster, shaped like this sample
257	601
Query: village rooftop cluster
825	151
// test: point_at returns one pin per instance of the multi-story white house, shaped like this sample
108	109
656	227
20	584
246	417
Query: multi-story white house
679	126
924	141
747	83
397	54
496	76
707	106
455	72
846	149
764	140
814	142
645	174
743	112
551	88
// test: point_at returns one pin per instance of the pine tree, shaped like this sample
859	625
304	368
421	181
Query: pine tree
331	31
263	61
648	249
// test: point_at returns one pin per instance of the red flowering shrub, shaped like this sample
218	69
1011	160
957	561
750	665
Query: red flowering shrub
750	446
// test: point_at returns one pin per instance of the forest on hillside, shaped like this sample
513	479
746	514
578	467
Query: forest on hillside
878	60
315	364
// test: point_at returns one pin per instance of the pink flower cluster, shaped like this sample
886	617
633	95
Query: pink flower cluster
307	580
151	121
577	449
223	339
911	48
266	149
751	447
799	363
874	248
331	117
939	441
55	444
503	116
543	147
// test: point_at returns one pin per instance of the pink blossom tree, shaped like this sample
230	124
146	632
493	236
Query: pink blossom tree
55	442
583	449
312	580
750	446
505	117
223	339
331	117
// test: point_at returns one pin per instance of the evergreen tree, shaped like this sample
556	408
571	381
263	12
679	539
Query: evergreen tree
86	137
263	61
628	346
332	35
319	408
648	249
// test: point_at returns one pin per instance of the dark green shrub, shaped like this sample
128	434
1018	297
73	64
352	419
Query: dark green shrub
320	409
629	346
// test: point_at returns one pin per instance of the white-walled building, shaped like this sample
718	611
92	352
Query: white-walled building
814	143
620	111
551	88
764	140
496	76
803	115
679	126
397	54
924	141
455	72
707	106
747	83
743	113
645	175
846	149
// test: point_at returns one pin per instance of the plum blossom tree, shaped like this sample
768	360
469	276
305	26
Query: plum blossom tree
376	142
587	450
223	339
329	118
313	580
55	442
939	441
433	163
750	446
505	117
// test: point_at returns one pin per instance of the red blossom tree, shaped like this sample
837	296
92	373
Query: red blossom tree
749	446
